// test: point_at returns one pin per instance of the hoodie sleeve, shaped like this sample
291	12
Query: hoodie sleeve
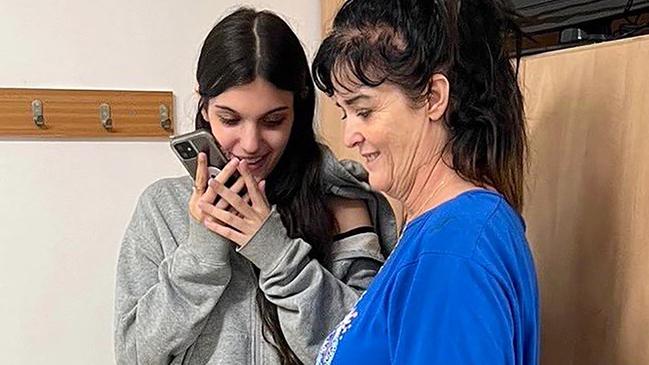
310	298
162	303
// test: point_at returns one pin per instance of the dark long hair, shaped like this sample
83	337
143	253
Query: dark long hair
243	46
405	42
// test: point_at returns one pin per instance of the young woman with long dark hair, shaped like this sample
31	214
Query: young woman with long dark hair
258	277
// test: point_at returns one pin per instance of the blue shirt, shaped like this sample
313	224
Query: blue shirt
460	288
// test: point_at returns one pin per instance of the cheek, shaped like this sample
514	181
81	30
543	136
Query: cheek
385	139
277	139
404	141
225	136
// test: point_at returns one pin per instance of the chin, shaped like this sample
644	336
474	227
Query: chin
378	182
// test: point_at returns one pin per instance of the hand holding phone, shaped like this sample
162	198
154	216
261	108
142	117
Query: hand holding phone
189	145
245	216
203	160
201	192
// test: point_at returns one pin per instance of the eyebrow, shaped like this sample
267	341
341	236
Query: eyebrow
278	109
353	100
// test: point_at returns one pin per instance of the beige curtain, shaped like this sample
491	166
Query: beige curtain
587	201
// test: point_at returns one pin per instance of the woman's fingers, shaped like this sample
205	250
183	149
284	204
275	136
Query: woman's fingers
262	189
228	170
227	218
256	197
240	209
200	181
199	187
237	187
226	232
233	199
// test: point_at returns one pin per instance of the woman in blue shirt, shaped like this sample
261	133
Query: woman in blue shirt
430	100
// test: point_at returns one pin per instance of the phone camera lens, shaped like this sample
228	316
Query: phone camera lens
186	150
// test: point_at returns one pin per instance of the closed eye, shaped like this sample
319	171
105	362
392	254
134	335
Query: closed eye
274	120
229	121
364	113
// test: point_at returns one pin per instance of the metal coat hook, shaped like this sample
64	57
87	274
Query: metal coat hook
105	117
37	113
165	121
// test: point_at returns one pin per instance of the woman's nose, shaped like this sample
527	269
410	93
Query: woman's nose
352	136
249	140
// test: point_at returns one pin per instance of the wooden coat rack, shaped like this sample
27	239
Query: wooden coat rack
88	114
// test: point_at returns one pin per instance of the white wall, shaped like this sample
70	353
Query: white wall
64	204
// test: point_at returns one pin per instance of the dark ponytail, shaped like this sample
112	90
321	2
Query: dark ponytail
486	121
405	42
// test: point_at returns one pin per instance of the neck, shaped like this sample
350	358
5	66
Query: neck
434	184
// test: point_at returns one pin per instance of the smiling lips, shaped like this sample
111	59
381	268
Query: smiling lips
254	163
369	157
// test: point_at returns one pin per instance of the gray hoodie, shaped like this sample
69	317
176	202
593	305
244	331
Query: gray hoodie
184	295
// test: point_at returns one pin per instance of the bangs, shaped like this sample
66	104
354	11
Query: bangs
349	59
369	55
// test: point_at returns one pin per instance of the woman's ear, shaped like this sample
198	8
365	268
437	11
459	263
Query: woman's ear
204	113
438	94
